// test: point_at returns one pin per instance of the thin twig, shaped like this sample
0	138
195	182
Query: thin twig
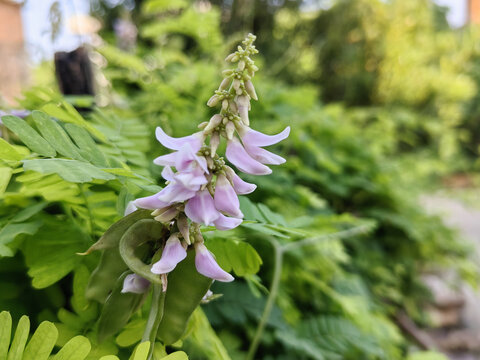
273	291
361	229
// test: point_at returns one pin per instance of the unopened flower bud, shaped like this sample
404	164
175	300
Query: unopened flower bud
236	84
225	104
233	106
230	57
235	58
167	215
243	104
214	142
215	120
251	90
213	101
182	223
224	84
210	162
241	65
230	129
202	125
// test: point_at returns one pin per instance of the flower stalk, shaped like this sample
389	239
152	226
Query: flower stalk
201	189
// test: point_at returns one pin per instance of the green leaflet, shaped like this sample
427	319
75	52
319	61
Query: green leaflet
5	333
19	339
235	255
42	342
76	349
205	337
50	257
8	152
86	145
9	232
28	136
56	136
117	310
5	176
68	114
177	355
69	170
141	351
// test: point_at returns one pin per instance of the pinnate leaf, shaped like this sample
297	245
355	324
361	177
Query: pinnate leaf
69	170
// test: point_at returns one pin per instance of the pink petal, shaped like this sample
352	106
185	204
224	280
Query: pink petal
174	192
264	156
130	208
226	223
201	208
150	202
172	254
256	138
186	156
167	173
241	187
226	198
134	283
166	160
191	180
194	140
207	266
237	155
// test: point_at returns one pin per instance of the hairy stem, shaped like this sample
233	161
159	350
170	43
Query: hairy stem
273	292
154	318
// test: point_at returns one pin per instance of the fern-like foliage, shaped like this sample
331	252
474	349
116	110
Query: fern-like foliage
41	345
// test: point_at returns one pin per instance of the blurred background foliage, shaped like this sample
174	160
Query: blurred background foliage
382	100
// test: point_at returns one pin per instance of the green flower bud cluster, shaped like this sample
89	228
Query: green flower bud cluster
234	94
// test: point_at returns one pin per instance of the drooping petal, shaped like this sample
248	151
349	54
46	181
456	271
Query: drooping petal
166	160
130	208
174	192
241	187
238	156
134	283
207	266
172	254
226	223
256	138
201	208
264	156
168	174
226	198
194	140
150	202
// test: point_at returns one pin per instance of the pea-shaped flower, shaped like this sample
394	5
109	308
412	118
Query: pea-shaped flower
207	266
172	254
134	283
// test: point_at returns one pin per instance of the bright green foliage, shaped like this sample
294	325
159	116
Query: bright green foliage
66	178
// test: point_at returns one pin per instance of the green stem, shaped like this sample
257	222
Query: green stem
357	230
154	318
277	272
89	211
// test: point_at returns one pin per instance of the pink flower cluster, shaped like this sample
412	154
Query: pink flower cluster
201	189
